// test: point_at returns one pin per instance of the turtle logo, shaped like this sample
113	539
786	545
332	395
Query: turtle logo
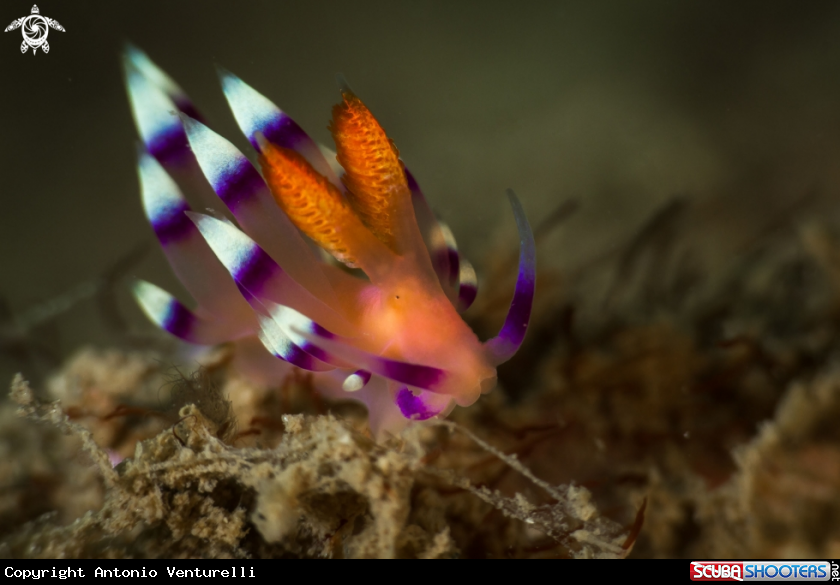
35	29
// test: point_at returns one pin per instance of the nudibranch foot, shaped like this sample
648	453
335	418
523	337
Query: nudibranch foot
422	405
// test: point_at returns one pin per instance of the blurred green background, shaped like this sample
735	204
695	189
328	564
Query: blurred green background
621	105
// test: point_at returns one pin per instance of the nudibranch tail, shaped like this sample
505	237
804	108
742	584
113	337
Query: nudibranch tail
502	347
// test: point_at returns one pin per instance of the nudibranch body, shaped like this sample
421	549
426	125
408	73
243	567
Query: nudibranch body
393	338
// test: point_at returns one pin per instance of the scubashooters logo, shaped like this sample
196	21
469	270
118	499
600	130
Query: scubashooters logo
35	29
798	571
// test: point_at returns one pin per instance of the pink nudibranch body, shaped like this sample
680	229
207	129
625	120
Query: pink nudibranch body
394	339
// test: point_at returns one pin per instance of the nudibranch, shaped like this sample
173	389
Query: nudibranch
269	269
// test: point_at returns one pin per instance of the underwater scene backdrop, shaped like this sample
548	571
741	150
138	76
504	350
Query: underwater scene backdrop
679	164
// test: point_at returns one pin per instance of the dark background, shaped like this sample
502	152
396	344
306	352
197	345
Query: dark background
619	104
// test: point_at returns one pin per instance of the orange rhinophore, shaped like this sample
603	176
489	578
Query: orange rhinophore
374	174
314	205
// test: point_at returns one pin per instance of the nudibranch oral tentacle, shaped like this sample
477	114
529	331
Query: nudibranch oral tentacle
395	339
503	347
